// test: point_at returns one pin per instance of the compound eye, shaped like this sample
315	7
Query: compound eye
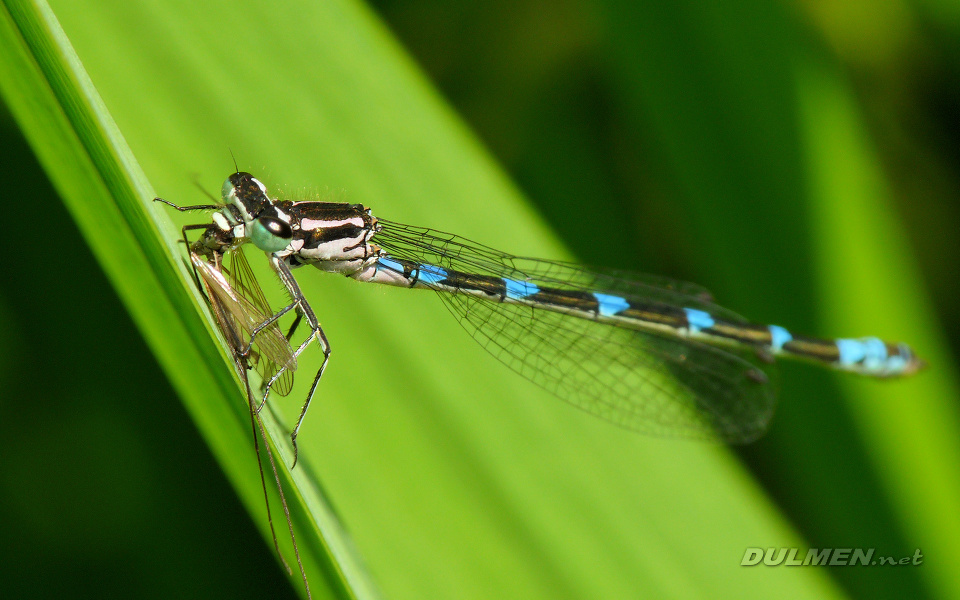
227	190
270	234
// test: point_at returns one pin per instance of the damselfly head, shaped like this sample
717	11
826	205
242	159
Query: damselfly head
245	192
248	196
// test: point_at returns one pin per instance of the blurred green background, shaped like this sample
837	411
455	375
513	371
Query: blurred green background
668	137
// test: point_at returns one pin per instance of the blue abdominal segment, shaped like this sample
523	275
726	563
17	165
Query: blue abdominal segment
430	274
518	290
610	305
698	319
389	263
779	336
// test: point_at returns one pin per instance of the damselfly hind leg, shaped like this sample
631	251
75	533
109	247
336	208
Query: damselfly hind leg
304	312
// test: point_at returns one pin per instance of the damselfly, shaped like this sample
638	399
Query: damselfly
646	353
240	309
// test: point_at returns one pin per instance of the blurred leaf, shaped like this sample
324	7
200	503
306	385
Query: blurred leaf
911	428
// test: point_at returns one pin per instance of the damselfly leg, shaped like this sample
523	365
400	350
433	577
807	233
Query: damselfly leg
316	333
